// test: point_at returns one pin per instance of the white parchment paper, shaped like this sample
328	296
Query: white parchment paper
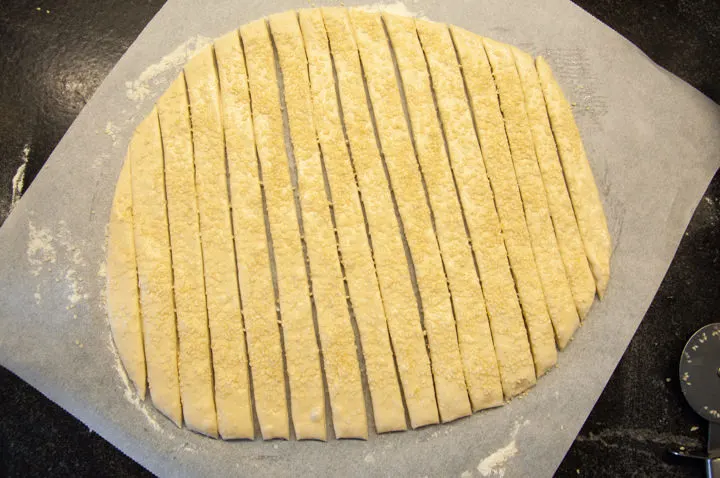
654	144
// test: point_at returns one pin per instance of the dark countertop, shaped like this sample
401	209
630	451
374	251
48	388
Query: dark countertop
54	54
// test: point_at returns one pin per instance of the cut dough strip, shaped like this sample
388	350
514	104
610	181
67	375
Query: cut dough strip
555	285
579	177
194	361
473	330
152	248
507	173
404	174
253	257
506	322
122	284
232	388
337	337
390	261
388	409
569	241
301	348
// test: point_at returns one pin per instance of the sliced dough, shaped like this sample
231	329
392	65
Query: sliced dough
555	284
390	262
579	177
253	257
569	241
301	349
388	408
337	339
552	279
194	362
122	284
407	184
473	330
507	173
232	389
152	248
506	322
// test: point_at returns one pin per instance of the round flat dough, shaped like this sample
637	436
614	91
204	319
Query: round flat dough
337	223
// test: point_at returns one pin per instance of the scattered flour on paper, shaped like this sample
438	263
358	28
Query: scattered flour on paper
186	447
100	160
128	389
112	131
73	253
396	8
494	464
76	292
42	252
18	181
64	238
153	75
102	270
40	249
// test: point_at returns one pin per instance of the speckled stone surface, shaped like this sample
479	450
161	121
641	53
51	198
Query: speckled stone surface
54	54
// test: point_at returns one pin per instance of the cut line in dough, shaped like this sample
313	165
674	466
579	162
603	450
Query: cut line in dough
569	241
579	177
123	300
473	331
509	175
387	405
397	149
555	286
251	247
307	399
469	163
152	248
337	338
194	358
391	264
227	337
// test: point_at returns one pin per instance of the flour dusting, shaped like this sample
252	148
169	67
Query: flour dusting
139	89
18	181
73	253
112	131
72	249
40	248
130	395
494	464
100	160
397	8
102	270
76	291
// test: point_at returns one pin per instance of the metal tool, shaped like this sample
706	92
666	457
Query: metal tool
700	383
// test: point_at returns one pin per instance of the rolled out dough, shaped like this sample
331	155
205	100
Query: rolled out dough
353	205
